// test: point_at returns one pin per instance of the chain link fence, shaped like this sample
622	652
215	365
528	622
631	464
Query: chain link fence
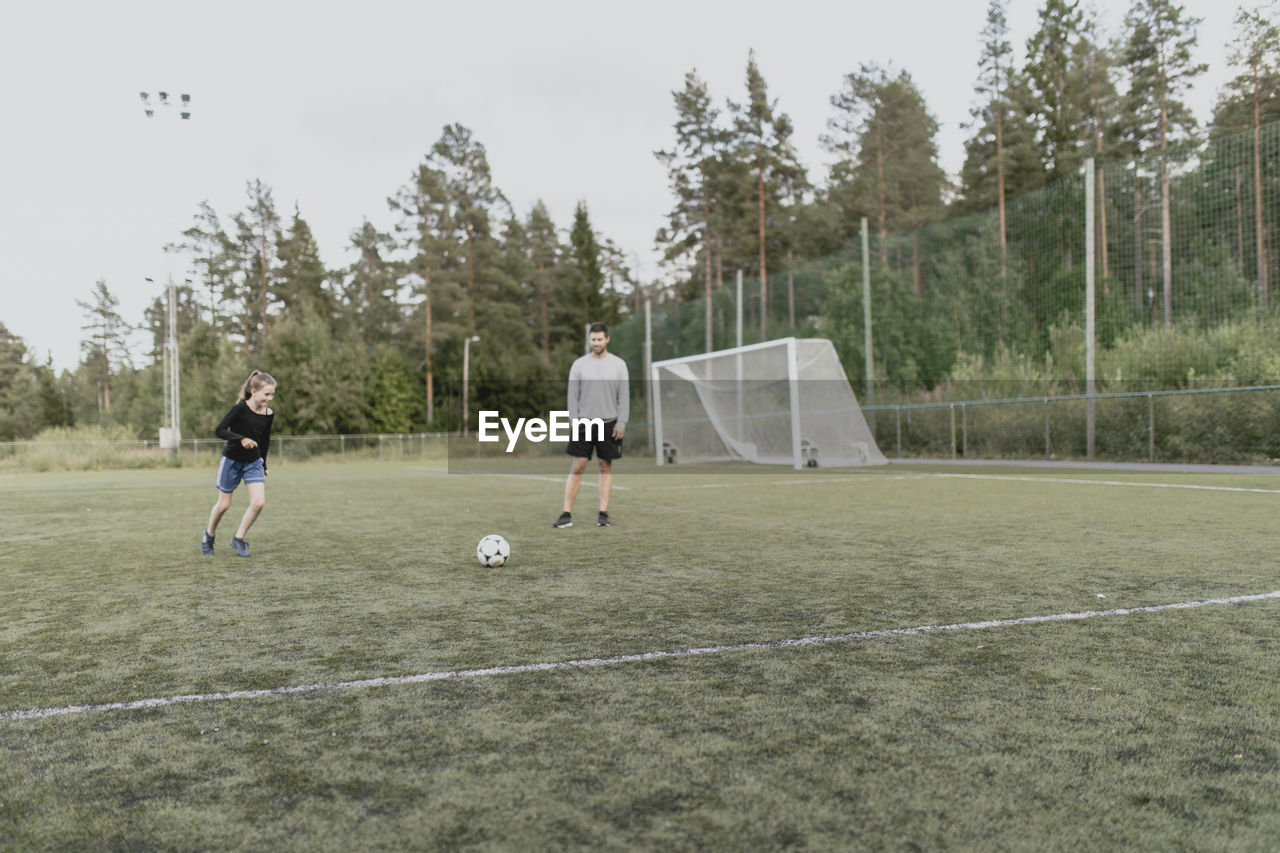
430	448
1185	426
1236	425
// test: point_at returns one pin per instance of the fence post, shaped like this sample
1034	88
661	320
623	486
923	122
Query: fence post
898	411
1048	453
964	431
1151	428
952	407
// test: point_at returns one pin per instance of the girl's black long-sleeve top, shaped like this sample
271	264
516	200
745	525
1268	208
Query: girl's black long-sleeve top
243	422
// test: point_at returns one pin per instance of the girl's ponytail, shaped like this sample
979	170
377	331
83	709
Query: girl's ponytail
255	381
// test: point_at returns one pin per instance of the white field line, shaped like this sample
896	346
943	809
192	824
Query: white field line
1078	482
746	480
589	663
1006	478
560	480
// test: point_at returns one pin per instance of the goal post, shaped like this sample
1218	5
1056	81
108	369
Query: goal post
781	402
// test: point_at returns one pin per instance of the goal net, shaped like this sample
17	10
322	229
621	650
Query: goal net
782	402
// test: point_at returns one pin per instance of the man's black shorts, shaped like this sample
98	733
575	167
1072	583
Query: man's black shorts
607	448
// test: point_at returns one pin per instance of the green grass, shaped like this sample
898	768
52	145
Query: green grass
1152	731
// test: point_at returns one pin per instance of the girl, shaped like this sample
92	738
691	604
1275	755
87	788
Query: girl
247	430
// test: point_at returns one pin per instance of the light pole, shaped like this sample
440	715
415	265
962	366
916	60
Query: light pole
170	429
171	420
466	370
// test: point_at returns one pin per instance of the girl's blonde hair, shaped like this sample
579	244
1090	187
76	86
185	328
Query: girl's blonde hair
256	380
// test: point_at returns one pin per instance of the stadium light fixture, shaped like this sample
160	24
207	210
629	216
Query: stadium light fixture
184	104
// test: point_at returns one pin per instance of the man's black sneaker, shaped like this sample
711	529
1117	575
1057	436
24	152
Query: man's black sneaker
565	520
602	520
241	546
206	544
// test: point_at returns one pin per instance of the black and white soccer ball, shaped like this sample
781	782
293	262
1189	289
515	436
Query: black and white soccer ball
493	551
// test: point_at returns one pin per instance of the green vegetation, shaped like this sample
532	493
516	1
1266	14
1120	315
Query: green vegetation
1149	730
966	268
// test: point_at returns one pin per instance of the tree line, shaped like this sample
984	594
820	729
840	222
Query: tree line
377	345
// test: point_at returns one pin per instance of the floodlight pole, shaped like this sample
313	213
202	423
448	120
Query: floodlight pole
648	366
868	362
738	359
170	419
466	370
170	429
1089	309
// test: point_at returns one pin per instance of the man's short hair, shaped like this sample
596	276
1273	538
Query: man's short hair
598	327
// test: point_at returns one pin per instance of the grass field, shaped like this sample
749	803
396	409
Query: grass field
1139	730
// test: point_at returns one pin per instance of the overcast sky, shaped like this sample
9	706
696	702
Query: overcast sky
334	108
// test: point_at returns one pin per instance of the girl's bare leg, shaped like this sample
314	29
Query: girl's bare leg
257	500
219	509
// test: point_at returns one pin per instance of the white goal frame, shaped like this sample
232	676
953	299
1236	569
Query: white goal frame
853	446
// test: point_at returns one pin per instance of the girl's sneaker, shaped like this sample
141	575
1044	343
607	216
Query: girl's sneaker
206	544
241	546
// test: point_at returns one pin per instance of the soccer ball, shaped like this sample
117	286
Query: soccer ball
493	551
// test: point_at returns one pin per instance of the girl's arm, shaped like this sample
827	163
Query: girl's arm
223	430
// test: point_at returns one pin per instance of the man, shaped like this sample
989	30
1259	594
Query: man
598	388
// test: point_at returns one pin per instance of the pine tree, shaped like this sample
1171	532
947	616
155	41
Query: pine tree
1023	166
425	225
15	398
1059	78
252	288
107	347
995	65
887	167
762	144
474	204
691	164
544	255
212	254
301	277
1252	98
373	285
1095	63
582	299
1158	61
1249	101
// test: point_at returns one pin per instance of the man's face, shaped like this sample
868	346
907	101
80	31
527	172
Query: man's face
598	340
